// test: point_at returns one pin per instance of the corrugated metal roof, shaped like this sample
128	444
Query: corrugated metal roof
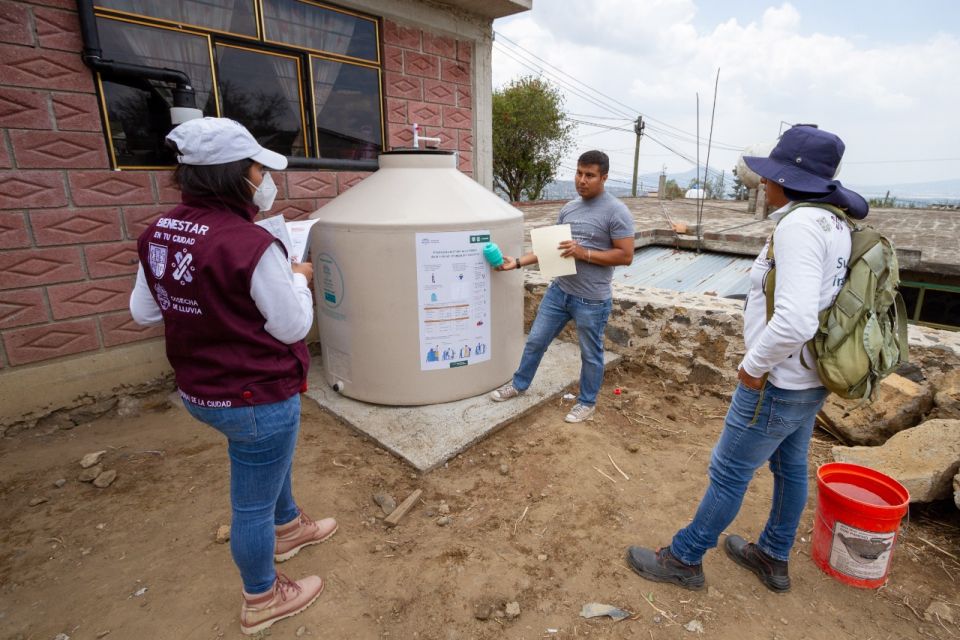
681	270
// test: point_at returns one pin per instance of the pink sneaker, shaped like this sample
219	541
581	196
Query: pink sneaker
299	533
286	598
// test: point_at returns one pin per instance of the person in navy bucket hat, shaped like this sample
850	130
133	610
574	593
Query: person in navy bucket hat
773	408
805	163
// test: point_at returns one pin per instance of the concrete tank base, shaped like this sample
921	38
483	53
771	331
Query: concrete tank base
429	435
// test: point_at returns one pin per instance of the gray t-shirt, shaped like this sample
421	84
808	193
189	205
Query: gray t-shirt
594	224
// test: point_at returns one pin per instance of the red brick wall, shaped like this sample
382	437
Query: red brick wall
68	223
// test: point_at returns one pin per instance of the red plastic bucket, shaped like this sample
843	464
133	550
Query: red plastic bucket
858	516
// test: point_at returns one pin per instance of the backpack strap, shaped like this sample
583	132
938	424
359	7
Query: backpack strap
770	281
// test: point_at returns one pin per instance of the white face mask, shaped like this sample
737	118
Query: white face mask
266	193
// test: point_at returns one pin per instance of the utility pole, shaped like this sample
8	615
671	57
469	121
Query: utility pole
638	127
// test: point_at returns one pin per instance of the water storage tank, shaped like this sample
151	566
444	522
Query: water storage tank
409	311
746	175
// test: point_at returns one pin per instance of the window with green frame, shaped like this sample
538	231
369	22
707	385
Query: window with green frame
304	77
935	305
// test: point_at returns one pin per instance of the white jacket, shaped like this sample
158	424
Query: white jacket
811	250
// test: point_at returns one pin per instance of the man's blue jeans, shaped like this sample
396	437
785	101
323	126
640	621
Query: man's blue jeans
556	310
781	435
261	441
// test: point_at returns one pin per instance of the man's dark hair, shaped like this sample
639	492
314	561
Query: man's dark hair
598	158
226	181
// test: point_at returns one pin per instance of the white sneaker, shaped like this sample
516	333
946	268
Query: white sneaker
505	392
580	413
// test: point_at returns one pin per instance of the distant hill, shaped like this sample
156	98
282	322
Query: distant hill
917	193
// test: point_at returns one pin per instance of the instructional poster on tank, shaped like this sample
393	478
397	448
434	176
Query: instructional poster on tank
453	289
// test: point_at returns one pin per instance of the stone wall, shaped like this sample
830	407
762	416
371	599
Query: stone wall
696	340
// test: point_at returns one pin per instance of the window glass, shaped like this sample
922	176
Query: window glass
138	111
314	27
232	16
261	91
347	103
941	307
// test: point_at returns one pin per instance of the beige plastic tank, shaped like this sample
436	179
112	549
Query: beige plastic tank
409	311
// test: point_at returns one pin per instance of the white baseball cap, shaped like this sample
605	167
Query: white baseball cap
207	141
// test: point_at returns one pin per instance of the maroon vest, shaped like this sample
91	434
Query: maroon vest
199	259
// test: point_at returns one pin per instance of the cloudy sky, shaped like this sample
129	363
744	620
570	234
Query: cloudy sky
882	74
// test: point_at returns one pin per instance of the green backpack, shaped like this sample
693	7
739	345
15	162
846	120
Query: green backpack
862	335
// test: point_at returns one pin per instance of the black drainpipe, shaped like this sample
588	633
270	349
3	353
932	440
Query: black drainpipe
183	93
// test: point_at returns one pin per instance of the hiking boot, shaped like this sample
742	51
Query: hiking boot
299	533
286	598
505	392
662	566
580	413
772	572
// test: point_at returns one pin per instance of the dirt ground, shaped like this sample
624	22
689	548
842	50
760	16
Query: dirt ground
548	531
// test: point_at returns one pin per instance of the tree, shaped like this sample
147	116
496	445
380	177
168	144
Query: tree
530	135
672	190
738	191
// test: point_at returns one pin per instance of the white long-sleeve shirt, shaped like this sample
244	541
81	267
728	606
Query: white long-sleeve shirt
811	250
282	297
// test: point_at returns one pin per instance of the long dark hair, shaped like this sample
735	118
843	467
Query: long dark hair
226	181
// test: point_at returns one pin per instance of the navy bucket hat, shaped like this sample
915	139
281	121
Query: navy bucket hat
806	159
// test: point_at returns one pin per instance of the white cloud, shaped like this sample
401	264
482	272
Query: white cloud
887	101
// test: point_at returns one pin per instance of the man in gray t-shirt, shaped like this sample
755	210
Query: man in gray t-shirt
602	231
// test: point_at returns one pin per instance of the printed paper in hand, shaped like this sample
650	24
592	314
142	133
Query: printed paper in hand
292	234
545	241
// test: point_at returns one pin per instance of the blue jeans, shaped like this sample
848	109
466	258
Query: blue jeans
781	435
261	441
556	310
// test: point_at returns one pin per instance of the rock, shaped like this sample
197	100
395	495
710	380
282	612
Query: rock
923	459
900	403
105	479
946	400
499	613
482	610
300	631
91	459
38	500
633	447
223	534
443	509
61	636
59	483
542	557
694	626
513	610
444	520
386	502
504	469
129	407
956	490
89	475
939	610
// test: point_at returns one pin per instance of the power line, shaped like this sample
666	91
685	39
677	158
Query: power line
598	92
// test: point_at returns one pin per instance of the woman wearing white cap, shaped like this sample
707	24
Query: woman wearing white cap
235	315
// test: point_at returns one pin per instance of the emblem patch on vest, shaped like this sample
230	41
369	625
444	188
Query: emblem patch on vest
182	267
157	254
163	299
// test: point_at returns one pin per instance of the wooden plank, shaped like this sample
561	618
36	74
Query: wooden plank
394	518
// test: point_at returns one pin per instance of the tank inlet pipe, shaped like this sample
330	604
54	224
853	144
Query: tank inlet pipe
432	143
338	386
